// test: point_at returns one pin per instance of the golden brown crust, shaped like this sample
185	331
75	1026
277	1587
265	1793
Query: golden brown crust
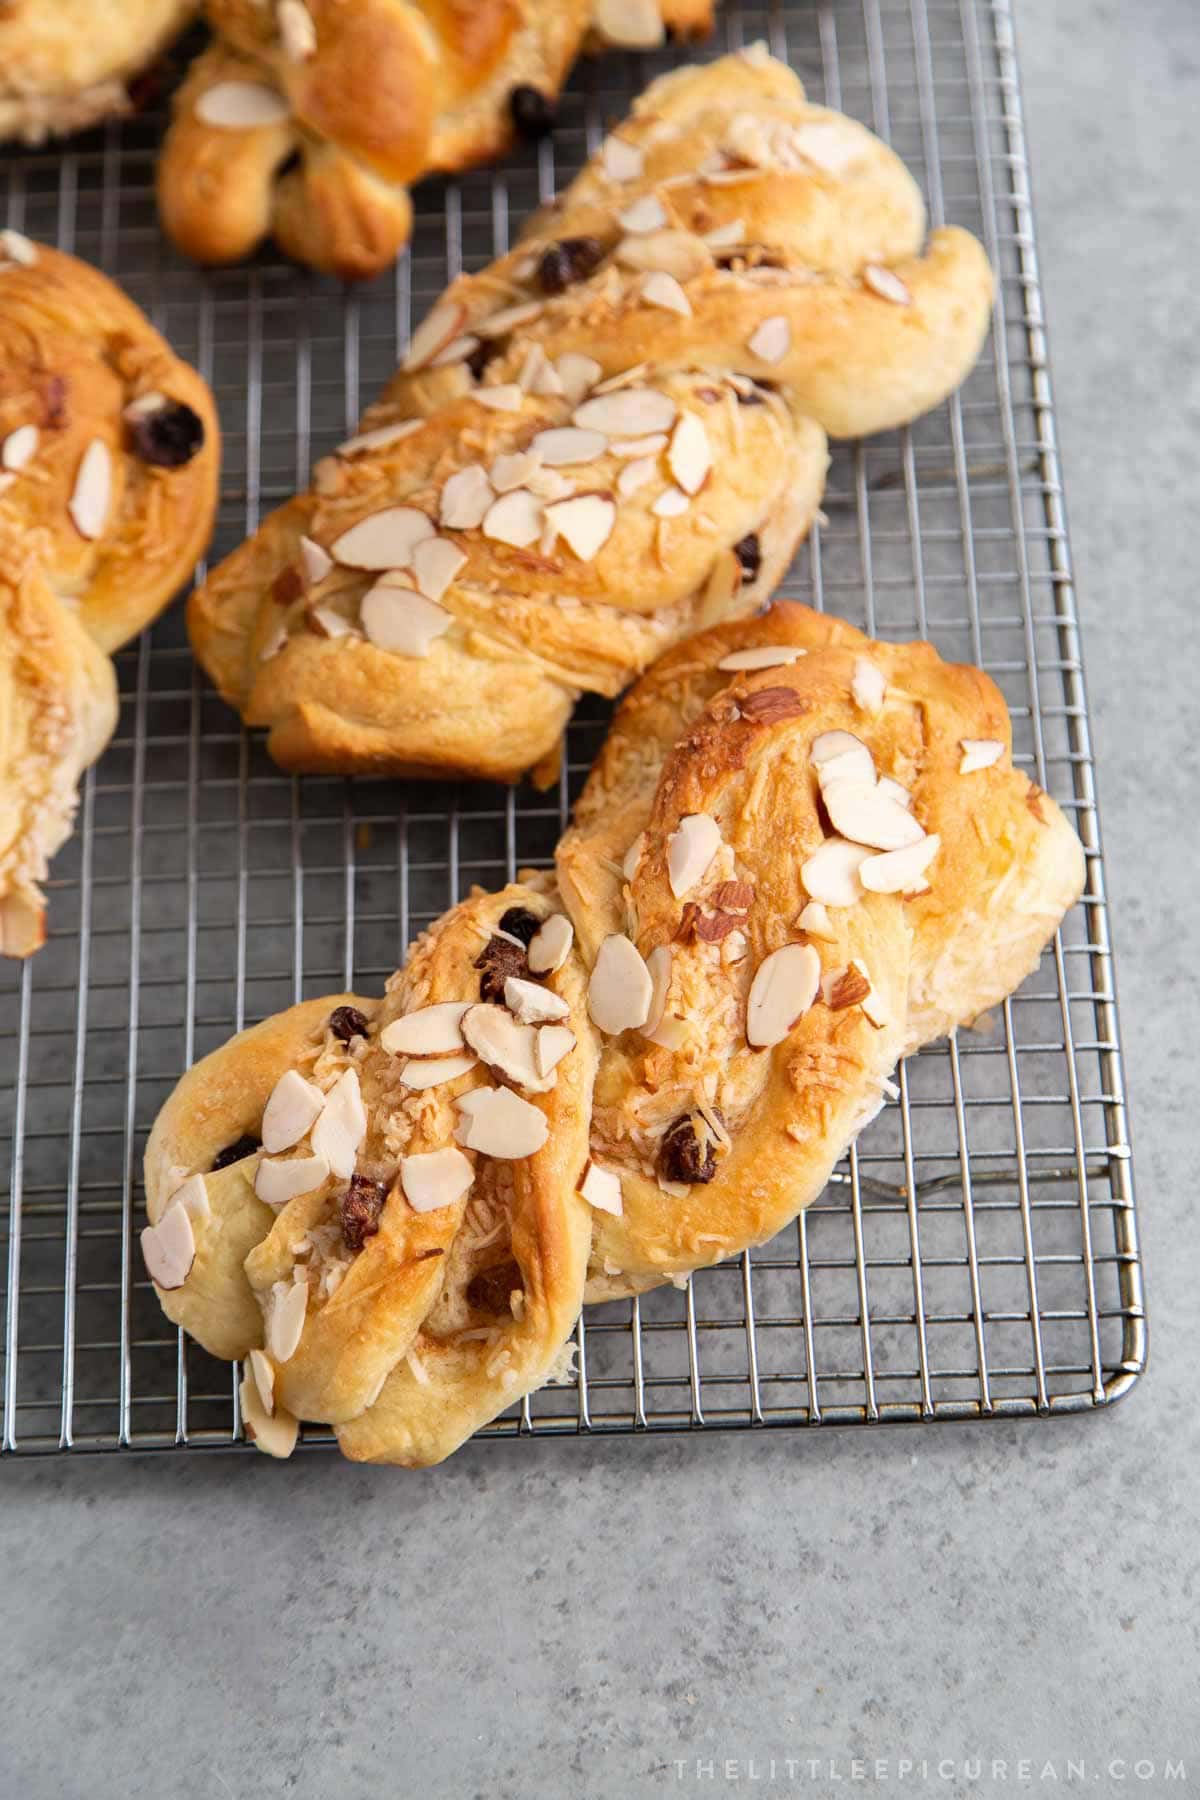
736	746
111	546
67	65
404	1347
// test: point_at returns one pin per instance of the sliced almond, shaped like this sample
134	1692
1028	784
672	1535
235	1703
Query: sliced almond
620	988
342	1125
659	964
601	1189
900	871
633	856
499	1123
498	324
830	874
831	145
314	561
537	375
830	747
548	484
761	656
690	851
784	987
671	1032
380	438
676	253
433	334
513	470
505	397
290	1113
645	214
894	791
979	753
192	1195
567	444
503	1044
261	1371
432	1071
515	519
456	351
661	289
630	24
814	919
628	412
531	1003
275	1432
401	620
169	1249
636	475
430	1031
384	540
671	504
92	495
436	1178
550	945
772	341
585	522
690	455
285	1319
241	106
726	237
865	816
436	562
18	248
887	284
577	373
298	32
465	499
640	447
18	448
279	1181
552	1044
621	161
867	685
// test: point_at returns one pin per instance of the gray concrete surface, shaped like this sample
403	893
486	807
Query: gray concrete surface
569	1623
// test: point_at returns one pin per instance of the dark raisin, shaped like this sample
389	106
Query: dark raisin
498	960
532	111
489	1290
519	922
752	397
347	1022
686	1152
569	261
481	356
287	586
362	1204
245	1146
749	554
54	404
169	436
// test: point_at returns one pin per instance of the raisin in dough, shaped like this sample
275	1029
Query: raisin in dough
109	460
724	1112
67	64
609	438
434	1293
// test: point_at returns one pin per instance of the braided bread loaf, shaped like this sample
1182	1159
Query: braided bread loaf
611	436
108	485
67	65
800	855
343	1197
309	120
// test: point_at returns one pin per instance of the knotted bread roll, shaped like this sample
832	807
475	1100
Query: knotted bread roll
612	436
109	460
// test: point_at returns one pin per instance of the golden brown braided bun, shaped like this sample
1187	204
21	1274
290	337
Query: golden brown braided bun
66	64
109	459
766	995
429	1266
598	444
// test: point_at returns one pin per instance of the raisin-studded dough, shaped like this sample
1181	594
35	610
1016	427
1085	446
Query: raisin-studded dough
419	1321
717	1141
610	437
67	64
109	458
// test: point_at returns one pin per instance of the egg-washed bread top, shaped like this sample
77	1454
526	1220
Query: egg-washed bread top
800	855
601	442
67	64
109	464
376	1204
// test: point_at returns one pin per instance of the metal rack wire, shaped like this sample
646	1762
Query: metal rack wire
977	1253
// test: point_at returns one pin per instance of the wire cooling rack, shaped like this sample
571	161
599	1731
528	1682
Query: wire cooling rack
976	1254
